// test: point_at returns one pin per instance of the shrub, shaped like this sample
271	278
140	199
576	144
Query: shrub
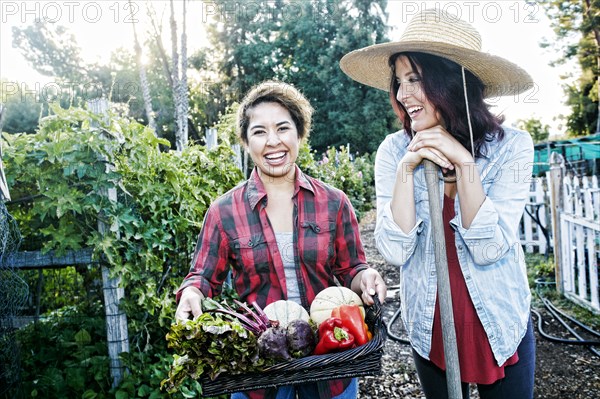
60	177
152	228
65	355
337	167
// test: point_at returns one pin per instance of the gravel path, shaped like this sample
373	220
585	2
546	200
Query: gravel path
562	371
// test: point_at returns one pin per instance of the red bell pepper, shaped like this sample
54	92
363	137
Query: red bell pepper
333	337
353	320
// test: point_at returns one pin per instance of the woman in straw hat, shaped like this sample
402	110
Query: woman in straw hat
438	79
281	233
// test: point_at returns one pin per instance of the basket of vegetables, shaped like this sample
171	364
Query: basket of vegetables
240	347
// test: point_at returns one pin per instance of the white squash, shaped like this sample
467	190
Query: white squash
329	299
285	312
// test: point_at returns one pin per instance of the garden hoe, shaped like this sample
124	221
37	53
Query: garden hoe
443	282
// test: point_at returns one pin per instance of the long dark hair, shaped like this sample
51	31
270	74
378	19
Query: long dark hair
442	83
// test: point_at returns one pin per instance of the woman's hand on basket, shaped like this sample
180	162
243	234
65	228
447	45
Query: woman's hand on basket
367	283
189	304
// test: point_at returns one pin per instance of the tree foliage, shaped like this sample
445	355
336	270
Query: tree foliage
539	133
53	51
21	110
576	24
301	43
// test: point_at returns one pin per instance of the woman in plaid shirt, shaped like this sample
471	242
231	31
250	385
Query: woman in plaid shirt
281	233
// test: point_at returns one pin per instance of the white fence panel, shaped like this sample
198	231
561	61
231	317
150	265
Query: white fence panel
536	219
578	243
580	240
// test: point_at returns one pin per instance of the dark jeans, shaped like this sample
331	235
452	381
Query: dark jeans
516	384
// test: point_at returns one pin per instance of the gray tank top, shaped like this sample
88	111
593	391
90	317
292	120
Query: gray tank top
285	243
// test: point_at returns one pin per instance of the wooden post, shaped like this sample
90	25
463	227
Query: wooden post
116	320
443	282
245	170
211	137
237	149
555	182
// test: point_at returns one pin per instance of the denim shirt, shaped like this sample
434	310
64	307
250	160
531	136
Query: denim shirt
490	255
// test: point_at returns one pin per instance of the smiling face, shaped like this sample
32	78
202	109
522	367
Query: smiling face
411	95
273	141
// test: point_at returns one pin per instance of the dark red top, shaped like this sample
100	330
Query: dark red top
477	363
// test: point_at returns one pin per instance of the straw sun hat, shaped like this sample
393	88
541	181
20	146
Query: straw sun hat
436	32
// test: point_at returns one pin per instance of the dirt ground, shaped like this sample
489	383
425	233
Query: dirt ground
562	371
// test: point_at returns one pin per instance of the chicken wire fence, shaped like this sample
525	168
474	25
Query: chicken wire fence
13	295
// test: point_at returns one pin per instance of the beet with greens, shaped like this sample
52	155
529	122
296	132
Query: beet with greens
272	344
300	338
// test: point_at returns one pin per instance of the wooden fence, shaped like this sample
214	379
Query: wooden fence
535	225
563	214
113	291
579	229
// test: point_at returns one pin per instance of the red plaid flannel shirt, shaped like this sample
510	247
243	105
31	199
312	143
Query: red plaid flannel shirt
237	236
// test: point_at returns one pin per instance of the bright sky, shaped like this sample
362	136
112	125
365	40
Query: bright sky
511	29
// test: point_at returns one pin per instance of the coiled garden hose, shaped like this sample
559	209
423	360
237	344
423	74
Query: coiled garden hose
394	318
557	313
390	334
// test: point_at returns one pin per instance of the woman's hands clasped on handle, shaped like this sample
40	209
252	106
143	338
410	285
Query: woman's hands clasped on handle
440	147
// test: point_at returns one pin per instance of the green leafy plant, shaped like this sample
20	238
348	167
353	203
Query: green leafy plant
60	180
60	177
538	267
352	174
66	354
209	346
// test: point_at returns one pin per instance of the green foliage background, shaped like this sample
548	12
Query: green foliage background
576	26
59	178
60	167
305	50
299	42
162	197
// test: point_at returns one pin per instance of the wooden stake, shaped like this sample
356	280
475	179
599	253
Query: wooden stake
555	182
116	319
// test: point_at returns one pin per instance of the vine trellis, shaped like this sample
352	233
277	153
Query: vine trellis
116	320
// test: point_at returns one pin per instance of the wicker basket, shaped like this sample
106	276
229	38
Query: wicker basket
357	362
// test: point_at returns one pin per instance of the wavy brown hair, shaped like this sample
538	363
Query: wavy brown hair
442	83
276	92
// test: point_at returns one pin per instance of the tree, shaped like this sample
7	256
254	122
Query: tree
143	79
243	44
301	42
21	111
53	50
539	133
584	110
346	112
183	85
172	68
50	51
581	16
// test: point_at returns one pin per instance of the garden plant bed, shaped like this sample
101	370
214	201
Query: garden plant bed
562	371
